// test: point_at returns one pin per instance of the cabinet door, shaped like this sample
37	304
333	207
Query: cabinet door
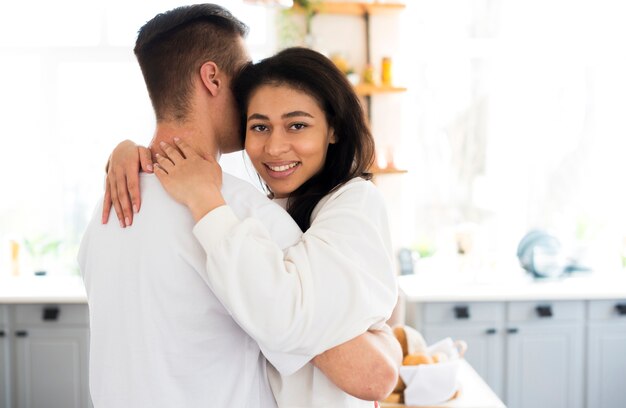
51	367
606	368
4	368
544	365
485	348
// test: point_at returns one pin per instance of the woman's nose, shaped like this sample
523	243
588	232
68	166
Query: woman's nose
277	143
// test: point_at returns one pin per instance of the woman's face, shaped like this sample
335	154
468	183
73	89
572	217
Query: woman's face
287	137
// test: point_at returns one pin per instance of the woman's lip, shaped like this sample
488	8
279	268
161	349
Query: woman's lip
281	173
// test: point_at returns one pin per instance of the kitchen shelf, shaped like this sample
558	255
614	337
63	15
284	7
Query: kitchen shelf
388	170
356	8
371	89
363	10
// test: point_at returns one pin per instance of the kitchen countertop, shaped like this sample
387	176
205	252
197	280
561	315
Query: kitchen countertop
418	288
44	289
474	392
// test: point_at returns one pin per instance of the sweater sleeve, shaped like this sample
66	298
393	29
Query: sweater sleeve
329	287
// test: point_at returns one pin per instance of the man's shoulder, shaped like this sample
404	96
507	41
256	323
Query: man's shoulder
162	224
154	196
233	184
242	196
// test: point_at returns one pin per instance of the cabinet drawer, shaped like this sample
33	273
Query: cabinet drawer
51	314
539	310
3	315
607	309
463	312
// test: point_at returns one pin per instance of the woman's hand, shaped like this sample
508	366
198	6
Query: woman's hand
122	181
189	178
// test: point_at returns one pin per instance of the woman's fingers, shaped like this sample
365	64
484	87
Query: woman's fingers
159	170
132	186
107	204
134	196
185	148
123	198
145	158
172	153
165	163
114	199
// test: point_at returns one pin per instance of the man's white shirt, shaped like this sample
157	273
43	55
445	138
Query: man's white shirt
159	336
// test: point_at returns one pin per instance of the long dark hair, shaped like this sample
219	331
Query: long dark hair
312	73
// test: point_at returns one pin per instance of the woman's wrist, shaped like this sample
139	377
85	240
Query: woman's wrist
207	202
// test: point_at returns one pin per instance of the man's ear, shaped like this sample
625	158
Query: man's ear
210	74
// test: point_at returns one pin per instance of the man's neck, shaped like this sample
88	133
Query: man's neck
201	140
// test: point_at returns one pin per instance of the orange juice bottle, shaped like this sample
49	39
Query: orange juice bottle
386	71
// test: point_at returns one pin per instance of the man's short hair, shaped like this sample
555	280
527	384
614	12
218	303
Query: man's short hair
172	46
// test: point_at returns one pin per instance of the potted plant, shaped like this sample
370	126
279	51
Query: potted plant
290	29
42	251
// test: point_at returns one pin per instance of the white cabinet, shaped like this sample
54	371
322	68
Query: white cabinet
480	325
544	354
49	356
606	353
4	359
529	353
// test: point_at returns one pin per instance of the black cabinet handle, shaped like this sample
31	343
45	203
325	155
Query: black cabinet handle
512	330
491	331
544	311
621	309
461	312
21	333
51	313
2	333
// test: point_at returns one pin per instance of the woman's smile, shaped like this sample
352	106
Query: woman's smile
281	170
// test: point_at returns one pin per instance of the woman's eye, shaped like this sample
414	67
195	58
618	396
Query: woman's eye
258	128
298	126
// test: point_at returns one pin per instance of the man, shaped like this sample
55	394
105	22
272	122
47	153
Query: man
159	337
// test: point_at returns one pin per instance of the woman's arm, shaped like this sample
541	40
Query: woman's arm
333	285
323	291
365	367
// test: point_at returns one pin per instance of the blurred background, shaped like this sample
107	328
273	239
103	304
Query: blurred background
511	120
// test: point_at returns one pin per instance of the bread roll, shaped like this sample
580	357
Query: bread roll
400	334
417	358
415	341
410	340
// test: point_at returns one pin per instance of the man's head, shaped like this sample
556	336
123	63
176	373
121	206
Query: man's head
173	47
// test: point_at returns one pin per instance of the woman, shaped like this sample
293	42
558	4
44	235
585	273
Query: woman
307	137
